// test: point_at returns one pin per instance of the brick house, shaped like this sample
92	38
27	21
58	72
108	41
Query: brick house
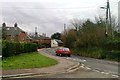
41	40
14	33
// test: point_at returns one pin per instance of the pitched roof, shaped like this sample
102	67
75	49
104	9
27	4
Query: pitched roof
42	37
12	30
28	37
59	41
39	37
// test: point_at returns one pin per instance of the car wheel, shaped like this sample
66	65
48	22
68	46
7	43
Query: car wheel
60	55
69	55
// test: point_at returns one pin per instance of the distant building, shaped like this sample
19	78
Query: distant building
41	40
14	33
56	43
18	35
119	16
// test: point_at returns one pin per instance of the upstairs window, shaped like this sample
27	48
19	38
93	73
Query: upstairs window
8	28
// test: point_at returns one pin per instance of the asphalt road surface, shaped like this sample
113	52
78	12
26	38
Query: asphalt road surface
94	68
90	68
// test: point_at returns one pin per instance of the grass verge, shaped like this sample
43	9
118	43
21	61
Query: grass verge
27	60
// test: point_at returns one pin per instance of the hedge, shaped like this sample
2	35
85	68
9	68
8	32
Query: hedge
15	48
112	55
98	53
43	45
112	44
89	52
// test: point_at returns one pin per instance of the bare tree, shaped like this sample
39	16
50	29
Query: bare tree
77	24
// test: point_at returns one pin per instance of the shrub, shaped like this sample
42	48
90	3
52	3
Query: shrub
15	48
98	53
112	44
112	55
31	47
8	49
43	45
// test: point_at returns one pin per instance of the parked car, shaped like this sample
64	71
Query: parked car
63	51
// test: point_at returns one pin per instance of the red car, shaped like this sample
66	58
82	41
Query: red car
63	51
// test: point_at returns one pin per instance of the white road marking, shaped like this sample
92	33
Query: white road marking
115	76
67	58
88	68
18	75
106	73
73	70
82	64
96	70
103	72
74	59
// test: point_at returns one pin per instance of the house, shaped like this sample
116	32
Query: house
41	40
56	43
14	33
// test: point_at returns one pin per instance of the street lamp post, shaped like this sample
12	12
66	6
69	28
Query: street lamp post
107	11
106	28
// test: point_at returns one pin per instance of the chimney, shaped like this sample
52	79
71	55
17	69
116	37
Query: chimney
36	34
15	25
44	34
4	25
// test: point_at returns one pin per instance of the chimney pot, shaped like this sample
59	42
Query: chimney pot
4	25
15	25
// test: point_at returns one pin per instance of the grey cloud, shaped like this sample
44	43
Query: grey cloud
46	20
48	16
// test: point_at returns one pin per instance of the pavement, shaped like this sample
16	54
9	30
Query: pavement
63	66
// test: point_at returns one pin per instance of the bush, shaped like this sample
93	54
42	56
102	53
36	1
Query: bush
15	48
112	55
97	53
8	49
89	52
43	45
112	44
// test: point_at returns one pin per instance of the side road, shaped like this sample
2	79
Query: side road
63	66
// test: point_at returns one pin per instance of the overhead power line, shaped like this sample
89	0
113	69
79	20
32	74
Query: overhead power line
50	8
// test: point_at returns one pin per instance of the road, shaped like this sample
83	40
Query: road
90	68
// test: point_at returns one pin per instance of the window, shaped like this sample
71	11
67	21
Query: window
15	28
23	39
8	28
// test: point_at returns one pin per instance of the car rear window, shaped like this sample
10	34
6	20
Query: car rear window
66	49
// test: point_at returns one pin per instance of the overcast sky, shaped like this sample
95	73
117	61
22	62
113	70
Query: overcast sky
49	16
